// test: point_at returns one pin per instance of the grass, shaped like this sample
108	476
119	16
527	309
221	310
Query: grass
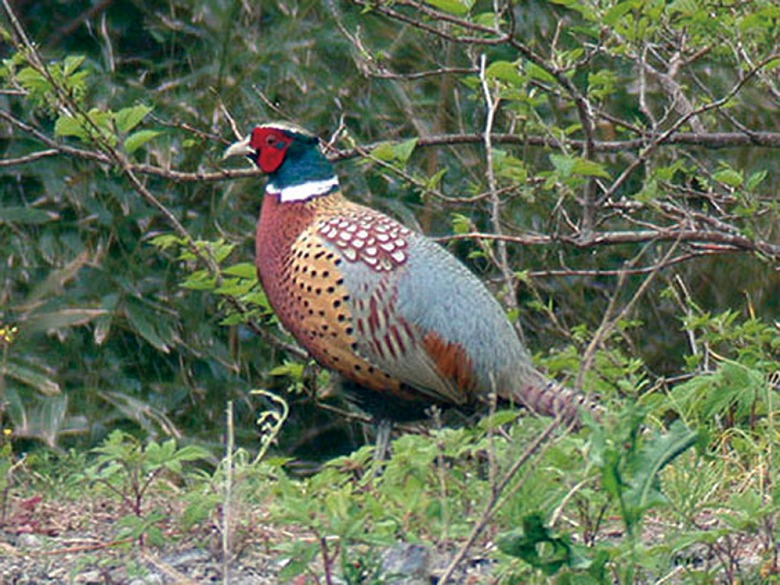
618	502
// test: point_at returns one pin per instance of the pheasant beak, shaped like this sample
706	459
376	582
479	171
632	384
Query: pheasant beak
240	148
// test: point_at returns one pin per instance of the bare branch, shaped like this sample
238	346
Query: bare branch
491	107
733	241
23	160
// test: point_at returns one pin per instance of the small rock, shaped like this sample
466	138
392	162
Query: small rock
406	564
90	577
28	540
151	579
187	558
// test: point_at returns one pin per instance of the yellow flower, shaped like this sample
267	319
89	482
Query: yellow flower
7	333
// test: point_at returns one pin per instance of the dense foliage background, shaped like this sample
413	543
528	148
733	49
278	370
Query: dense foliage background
630	168
607	167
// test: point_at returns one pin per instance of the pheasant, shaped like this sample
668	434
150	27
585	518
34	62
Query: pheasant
404	323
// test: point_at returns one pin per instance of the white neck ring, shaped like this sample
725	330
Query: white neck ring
304	191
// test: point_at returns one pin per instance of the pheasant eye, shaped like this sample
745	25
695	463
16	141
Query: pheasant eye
270	140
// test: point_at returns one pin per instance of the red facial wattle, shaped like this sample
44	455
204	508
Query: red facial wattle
271	147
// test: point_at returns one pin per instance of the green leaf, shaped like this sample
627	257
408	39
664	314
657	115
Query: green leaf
164	241
146	325
71	63
657	453
138	139
755	179
461	224
200	280
292	369
728	176
63	318
242	270
589	168
383	151
535	72
540	548
95	124
128	118
26	215
563	164
504	71
234	287
36	378
395	152
67	125
33	81
616	12
456	7
574	165
403	150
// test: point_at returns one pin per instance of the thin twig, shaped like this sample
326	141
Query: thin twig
32	157
491	107
227	502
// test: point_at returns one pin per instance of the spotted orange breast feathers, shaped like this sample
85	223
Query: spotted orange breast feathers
373	239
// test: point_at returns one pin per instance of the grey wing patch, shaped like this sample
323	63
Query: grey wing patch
387	340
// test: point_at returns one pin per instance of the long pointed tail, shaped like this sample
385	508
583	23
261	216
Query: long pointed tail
549	398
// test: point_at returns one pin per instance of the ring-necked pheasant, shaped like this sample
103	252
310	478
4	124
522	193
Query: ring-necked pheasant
401	319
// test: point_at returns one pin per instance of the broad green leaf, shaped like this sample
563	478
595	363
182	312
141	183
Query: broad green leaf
63	318
138	139
498	419
541	548
403	150
219	248
616	12
728	176
656	454
36	378
395	152
67	125
755	179
583	8
200	280
590	168
383	151
257	298
33	81
26	215
165	241
71	63
292	369
86	127
535	72
456	7
509	167
572	165
144	322
504	71
242	270
563	164
235	287
128	118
